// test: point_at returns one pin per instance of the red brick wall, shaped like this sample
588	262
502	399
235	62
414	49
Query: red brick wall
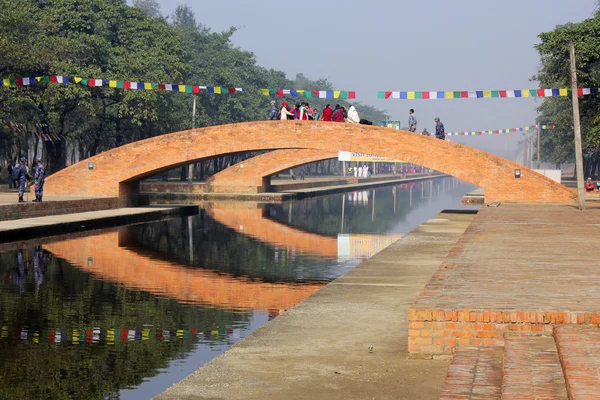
437	332
32	210
135	161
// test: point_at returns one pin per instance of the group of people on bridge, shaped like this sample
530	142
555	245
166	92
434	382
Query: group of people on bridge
304	112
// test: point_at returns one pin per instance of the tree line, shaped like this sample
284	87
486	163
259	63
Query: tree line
110	40
557	146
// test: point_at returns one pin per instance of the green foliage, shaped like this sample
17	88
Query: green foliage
108	39
558	146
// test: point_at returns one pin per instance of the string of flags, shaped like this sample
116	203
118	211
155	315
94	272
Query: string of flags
321	94
193	89
501	131
41	131
484	94
112	336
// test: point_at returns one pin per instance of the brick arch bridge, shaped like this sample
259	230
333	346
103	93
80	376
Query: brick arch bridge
255	173
117	172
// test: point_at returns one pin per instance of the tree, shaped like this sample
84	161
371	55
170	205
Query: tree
558	146
150	7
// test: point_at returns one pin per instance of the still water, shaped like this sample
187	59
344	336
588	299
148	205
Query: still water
127	312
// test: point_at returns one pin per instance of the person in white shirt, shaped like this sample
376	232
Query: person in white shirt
284	112
353	117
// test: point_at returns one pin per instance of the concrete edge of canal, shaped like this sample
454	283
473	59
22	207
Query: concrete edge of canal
31	228
348	340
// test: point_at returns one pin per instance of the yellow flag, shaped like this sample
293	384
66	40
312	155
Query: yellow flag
265	92
410	95
77	79
563	92
147	85
487	93
6	82
449	95
217	89
525	92
336	94
112	84
300	91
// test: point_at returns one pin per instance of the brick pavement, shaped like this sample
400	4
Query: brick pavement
475	373
532	369
579	349
517	268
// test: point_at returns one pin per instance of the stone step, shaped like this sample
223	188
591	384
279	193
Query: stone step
474	373
532	369
579	350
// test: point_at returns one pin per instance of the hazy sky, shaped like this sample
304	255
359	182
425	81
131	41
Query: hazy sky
395	45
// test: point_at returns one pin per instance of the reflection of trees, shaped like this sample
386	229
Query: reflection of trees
221	248
69	298
324	214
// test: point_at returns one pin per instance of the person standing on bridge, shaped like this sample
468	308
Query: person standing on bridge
327	113
22	176
439	129
284	113
40	177
273	114
412	121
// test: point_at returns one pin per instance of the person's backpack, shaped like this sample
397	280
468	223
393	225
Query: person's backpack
16	173
365	122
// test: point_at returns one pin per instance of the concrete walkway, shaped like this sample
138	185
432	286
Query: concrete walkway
320	348
27	228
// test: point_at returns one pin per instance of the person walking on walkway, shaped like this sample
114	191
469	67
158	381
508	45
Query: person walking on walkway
412	121
22	176
40	177
439	129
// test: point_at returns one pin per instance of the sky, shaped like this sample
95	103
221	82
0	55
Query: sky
399	45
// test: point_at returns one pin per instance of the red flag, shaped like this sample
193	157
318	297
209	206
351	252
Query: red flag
161	86
19	81
540	93
579	91
351	95
195	89
126	85
279	93
464	94
316	93
425	95
231	90
53	78
388	94
502	93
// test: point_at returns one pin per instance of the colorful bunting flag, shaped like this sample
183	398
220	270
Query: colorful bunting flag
322	94
484	94
118	84
501	131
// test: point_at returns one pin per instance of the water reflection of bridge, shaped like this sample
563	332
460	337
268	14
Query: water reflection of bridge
102	256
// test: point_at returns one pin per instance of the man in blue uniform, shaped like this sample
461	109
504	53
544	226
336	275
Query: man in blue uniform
40	177
23	176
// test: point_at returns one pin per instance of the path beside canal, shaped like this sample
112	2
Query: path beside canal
320	348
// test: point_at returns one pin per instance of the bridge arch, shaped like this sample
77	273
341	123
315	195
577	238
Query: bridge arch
255	173
117	172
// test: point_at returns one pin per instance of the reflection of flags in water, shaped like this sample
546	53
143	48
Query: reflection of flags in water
112	336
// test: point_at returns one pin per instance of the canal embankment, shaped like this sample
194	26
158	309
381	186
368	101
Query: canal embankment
30	228
348	340
165	192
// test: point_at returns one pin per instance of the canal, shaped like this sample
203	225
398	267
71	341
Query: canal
127	312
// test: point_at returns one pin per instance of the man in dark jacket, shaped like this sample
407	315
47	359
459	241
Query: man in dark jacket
440	132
